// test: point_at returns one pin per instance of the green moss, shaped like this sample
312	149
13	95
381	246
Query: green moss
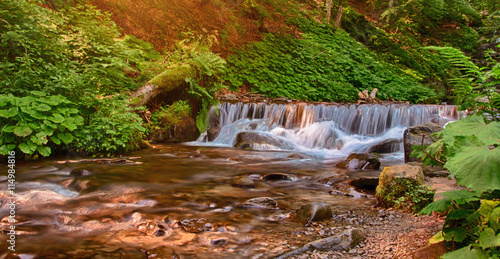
172	78
405	194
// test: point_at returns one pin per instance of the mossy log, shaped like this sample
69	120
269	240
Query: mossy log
168	80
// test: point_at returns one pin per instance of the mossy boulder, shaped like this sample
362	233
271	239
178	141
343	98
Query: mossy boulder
402	187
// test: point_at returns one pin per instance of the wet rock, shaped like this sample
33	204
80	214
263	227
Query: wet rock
365	183
332	180
180	238
161	252
278	177
313	212
79	172
195	225
360	161
260	203
152	228
213	133
248	140
386	146
243	182
413	136
343	241
430	171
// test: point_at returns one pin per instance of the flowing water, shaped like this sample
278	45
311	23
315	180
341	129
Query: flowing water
178	199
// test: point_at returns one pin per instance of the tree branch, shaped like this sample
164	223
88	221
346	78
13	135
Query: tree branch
429	155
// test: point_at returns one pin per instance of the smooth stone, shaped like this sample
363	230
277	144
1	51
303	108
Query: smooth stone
313	212
195	225
79	172
260	203
243	182
340	242
413	136
360	161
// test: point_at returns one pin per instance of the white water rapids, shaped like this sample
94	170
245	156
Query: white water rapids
327	131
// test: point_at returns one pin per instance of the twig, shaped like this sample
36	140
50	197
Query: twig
429	155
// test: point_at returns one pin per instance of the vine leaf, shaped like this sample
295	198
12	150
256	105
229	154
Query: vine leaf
22	130
476	167
489	134
488	239
466	253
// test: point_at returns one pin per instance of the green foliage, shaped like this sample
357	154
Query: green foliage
37	123
472	222
205	78
423	18
471	151
406	194
167	117
324	65
475	88
402	50
111	128
57	67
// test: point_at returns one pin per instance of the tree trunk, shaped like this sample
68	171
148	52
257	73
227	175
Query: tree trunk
328	11
168	80
338	18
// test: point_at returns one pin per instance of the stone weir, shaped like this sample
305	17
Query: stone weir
306	127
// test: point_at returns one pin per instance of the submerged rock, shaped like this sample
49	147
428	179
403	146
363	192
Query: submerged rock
278	177
195	225
243	182
360	161
260	203
79	172
343	241
413	136
313	212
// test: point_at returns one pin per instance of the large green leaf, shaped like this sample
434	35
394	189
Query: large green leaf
489	134
466	253
44	151
456	234
22	130
8	113
65	137
28	147
57	118
488	239
476	167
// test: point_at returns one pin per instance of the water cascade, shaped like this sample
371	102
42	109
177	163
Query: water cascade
322	129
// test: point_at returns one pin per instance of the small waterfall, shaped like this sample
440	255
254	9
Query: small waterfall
335	130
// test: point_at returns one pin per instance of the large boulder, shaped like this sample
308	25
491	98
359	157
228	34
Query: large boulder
402	187
360	161
248	140
413	136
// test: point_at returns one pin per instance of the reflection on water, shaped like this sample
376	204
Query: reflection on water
179	200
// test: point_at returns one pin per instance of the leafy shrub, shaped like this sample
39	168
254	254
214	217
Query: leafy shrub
205	78
37	123
469	148
406	194
324	65
166	118
57	70
112	128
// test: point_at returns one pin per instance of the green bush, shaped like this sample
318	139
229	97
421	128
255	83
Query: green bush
406	195
59	71
324	65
